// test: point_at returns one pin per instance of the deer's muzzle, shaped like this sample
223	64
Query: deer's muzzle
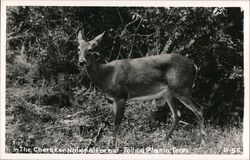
81	63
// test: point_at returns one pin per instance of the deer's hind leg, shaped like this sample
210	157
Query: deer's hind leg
187	101
173	104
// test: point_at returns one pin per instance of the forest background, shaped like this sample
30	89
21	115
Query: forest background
50	102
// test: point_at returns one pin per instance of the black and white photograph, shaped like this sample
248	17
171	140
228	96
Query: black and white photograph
103	79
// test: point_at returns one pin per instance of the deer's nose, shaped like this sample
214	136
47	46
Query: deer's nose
81	63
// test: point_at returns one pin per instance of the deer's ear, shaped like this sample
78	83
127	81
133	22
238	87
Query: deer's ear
96	39
79	36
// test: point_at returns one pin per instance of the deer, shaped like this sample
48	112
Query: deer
167	76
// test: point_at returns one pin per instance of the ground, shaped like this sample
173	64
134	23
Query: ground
35	128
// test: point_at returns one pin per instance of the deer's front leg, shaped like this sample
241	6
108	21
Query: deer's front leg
118	112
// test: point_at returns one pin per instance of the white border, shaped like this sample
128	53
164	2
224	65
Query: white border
237	3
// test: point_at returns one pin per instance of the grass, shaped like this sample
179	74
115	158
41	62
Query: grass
37	127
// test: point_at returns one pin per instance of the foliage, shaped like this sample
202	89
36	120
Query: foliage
44	85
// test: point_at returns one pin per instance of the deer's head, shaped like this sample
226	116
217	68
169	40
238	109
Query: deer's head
85	47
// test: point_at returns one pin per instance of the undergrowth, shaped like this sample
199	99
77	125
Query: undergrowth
43	118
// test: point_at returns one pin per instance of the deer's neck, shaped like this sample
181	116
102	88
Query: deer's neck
98	73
